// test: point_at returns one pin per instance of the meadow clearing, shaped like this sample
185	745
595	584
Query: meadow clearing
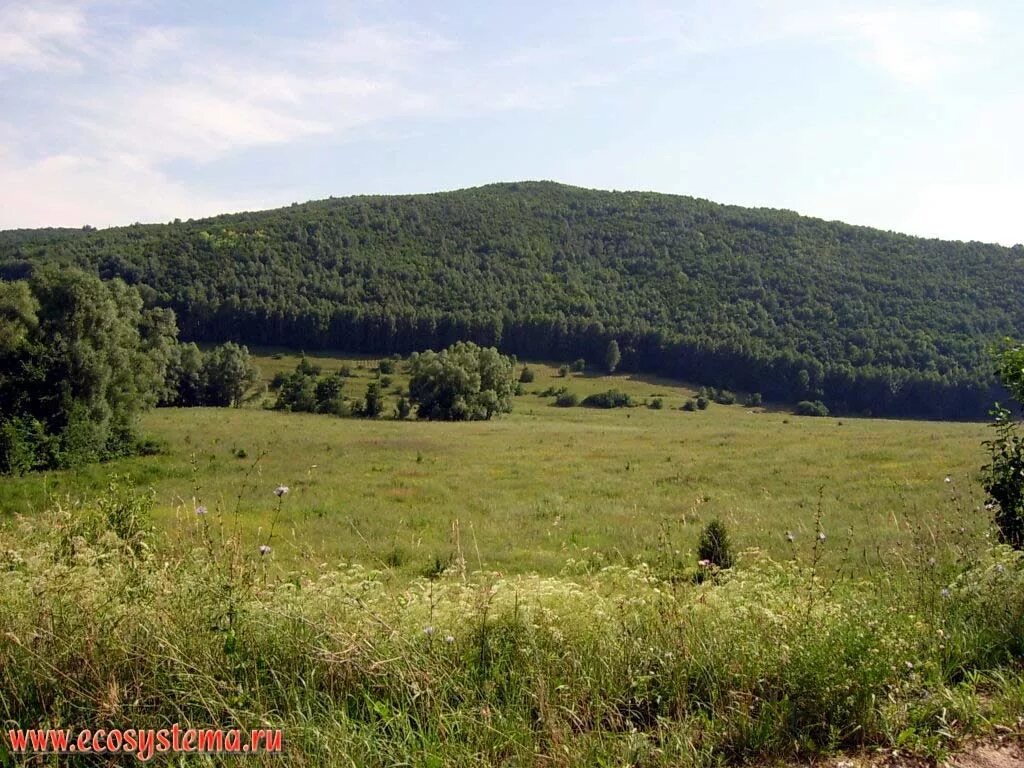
519	592
524	492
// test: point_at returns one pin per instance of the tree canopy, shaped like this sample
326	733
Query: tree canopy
462	383
748	299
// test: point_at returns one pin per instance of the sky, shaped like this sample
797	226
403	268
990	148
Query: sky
900	115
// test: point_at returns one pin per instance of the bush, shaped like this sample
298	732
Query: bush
690	405
563	371
811	408
526	376
386	367
613	398
714	545
373	403
754	399
725	397
463	382
579	365
567	400
702	403
403	408
656	404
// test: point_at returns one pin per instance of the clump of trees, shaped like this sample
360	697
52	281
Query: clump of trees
307	390
811	408
80	359
220	376
464	382
613	398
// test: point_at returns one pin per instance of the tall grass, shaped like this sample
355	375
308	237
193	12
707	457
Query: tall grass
102	625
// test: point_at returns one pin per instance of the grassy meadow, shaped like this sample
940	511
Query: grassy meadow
518	592
524	492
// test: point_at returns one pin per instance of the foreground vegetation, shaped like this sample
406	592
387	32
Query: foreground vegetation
761	300
104	624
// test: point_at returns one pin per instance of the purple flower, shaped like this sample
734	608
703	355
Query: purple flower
704	563
200	510
264	549
449	639
428	631
821	535
790	536
281	490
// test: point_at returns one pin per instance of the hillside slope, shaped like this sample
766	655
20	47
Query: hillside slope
755	299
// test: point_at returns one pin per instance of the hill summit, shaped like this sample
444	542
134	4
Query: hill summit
752	299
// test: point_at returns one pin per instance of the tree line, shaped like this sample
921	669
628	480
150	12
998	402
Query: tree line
761	300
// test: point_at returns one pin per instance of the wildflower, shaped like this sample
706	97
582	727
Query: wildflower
949	479
910	664
945	592
999	568
264	549
990	505
449	639
821	535
200	510
428	631
790	536
281	490
704	563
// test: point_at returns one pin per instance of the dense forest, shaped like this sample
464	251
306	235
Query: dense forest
761	300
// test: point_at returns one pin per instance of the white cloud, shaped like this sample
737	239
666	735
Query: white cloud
917	45
40	36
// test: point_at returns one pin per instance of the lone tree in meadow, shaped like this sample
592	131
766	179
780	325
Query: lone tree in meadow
462	383
612	357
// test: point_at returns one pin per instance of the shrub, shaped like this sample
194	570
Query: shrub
373	403
403	408
690	405
563	371
579	365
463	382
613	398
754	399
714	545
526	376
811	408
725	397
567	400
386	367
702	402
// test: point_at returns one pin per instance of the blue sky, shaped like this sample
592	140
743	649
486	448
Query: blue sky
900	115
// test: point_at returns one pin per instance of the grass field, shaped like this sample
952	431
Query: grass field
530	490
519	592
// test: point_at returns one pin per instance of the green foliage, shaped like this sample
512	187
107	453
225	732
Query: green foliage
578	366
702	403
690	405
613	398
811	408
403	408
724	397
386	367
739	298
527	375
563	371
754	399
1003	477
612	357
81	359
567	400
463	382
656	404
373	403
715	546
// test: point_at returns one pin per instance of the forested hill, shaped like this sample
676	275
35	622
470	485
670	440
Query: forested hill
751	299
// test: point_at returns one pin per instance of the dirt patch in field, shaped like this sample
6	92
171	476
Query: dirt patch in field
999	753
